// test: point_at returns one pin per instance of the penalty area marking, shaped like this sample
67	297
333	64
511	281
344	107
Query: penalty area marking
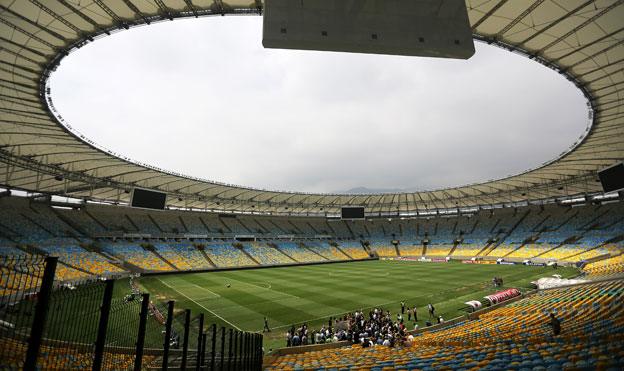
209	311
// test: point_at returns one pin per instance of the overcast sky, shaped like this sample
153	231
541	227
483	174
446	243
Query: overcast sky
202	97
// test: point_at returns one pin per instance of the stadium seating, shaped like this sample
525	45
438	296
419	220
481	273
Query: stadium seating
83	222
503	249
517	336
192	256
138	256
169	222
40	229
144	223
171	252
438	250
78	257
354	249
194	224
300	254
468	250
606	267
408	248
226	255
266	255
235	227
326	250
115	221
530	250
383	248
11	282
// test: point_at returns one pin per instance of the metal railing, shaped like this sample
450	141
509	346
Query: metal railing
101	325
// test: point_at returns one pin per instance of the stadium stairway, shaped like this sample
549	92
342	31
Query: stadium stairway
248	255
153	250
296	229
303	246
493	246
111	259
132	223
487	246
69	222
508	233
512	251
273	245
223	226
396	248
151	218
455	244
334	244
96	220
549	250
201	250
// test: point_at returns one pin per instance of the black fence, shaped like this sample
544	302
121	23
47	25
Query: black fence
106	325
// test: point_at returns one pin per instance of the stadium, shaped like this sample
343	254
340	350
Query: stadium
107	263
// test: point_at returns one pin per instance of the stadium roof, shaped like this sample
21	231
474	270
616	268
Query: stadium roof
583	40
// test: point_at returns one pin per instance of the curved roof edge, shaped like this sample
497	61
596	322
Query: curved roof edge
31	135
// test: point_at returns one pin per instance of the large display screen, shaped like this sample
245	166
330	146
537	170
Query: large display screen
612	178
352	212
148	199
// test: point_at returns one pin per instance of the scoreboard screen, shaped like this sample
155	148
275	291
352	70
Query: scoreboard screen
146	199
612	178
352	212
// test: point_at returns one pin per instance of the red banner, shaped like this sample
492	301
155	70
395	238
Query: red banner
502	296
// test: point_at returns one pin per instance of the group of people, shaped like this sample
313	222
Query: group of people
376	327
497	281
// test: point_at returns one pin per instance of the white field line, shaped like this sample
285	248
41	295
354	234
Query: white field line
357	274
205	289
207	298
213	313
188	285
263	288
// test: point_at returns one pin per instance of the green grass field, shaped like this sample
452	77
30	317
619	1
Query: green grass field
293	295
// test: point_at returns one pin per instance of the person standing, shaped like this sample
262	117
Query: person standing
409	314
556	324
402	307
266	325
415	314
431	309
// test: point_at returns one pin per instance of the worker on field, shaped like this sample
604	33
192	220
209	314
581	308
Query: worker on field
266	325
402	307
431	309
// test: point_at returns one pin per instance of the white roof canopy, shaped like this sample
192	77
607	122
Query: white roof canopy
583	40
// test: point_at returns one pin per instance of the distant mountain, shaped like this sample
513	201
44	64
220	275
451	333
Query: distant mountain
364	190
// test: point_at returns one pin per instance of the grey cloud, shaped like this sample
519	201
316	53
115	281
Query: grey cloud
203	98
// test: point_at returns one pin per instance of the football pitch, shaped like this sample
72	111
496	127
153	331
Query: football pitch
311	294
